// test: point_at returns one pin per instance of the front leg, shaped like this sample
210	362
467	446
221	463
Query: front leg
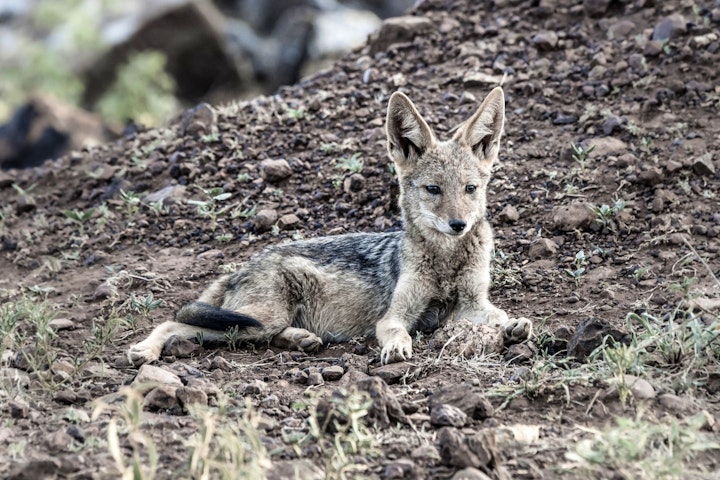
473	304
409	300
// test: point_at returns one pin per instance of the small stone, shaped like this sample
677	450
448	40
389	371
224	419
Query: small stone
509	214
603	146
392	372
191	396
60	324
66	396
468	398
354	183
545	40
653	48
519	353
543	248
288	222
18	408
198	120
149	375
675	404
611	124
275	170
651	176
574	216
444	415
470	474
520	375
211	254
265	219
315	378
162	398
255	387
219	363
704	166
590	334
271	401
458	450
399	469
620	29
332	373
596	8
670	27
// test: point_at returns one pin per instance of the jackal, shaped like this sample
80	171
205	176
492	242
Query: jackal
304	294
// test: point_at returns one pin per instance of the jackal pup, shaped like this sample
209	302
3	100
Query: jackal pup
330	289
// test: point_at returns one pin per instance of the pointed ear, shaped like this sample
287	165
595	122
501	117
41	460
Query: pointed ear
407	133
482	131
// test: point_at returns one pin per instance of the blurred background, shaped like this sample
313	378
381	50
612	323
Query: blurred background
80	72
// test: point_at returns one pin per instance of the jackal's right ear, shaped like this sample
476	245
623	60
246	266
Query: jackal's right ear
407	133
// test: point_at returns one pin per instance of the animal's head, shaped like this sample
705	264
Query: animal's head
443	183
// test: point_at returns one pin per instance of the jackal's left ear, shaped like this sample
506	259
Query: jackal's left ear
483	130
408	135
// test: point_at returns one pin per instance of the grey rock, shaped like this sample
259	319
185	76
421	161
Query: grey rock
401	468
332	373
596	8
163	398
509	214
470	473
288	221
149	375
444	415
545	40
572	217
704	166
670	27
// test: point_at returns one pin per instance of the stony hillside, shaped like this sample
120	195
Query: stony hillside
607	221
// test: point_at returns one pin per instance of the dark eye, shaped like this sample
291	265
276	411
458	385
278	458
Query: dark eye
433	189
470	188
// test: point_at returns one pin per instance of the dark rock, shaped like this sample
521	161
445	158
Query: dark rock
392	372
562	119
596	8
18	408
191	396
332	373
354	183
590	334
468	398
559	341
460	450
704	166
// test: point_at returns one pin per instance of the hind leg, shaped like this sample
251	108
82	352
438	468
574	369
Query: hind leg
149	349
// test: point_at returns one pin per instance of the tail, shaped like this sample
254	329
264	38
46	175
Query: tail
199	314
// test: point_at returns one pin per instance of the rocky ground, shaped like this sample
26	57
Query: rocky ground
607	221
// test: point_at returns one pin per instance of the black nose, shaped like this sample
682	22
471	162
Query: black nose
457	225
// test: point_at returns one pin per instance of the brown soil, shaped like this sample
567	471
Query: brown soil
649	107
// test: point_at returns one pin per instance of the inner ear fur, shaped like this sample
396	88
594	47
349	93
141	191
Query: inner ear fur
483	130
408	135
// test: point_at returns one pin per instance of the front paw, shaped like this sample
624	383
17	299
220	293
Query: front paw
518	330
396	348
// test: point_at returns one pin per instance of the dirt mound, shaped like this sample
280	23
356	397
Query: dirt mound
604	204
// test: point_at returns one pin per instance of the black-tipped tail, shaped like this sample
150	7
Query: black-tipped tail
204	315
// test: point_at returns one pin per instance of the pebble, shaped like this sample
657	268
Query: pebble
444	415
274	171
545	40
60	324
332	373
543	248
265	219
509	214
149	375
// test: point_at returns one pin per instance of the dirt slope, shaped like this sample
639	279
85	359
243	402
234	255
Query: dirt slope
582	240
